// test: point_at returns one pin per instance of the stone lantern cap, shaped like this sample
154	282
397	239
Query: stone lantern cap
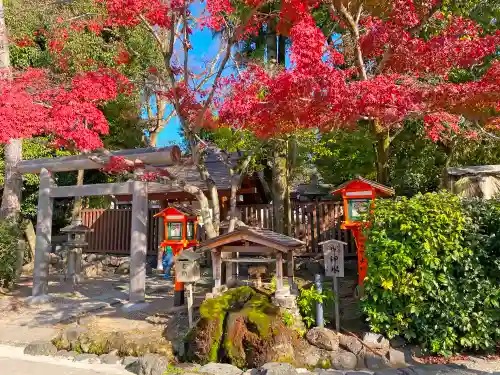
76	228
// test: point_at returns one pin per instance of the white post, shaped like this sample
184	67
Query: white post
189	289
138	242
43	235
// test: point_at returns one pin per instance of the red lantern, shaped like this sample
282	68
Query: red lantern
359	195
180	225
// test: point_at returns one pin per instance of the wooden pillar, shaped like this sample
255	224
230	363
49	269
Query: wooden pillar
279	271
138	242
43	235
161	237
290	268
217	267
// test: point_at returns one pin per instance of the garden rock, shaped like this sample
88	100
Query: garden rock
401	357
344	360
351	344
323	338
375	362
377	342
276	368
40	348
68	338
149	364
248	327
327	372
127	361
92	270
123	268
109	359
88	358
220	369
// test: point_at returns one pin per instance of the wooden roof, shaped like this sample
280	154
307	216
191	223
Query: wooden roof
384	190
182	209
263	237
474	170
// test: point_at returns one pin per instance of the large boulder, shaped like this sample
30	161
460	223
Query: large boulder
323	338
277	368
219	369
149	364
351	344
244	328
376	342
40	348
344	360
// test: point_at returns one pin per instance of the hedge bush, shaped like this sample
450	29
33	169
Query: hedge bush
10	234
434	272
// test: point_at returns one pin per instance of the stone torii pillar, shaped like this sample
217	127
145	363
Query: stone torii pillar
138	244
43	239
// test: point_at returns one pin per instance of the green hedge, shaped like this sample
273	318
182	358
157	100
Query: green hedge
434	272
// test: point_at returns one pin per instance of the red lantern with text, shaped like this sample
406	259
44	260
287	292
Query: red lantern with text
359	195
180	225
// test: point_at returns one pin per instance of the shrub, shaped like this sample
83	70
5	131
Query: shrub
10	234
307	300
433	274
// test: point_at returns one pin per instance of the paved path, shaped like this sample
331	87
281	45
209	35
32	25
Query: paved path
14	362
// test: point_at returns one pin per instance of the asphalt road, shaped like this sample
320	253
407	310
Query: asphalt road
14	362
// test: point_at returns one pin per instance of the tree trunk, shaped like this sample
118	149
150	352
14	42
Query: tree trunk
13	151
77	205
279	189
383	139
272	47
13	182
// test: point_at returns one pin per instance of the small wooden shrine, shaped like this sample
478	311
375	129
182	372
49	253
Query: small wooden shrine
253	245
180	223
359	195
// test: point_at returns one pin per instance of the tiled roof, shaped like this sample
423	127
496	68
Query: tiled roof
189	173
263	236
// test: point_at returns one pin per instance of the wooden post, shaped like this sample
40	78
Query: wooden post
337	302
161	237
189	289
290	268
217	267
138	242
279	271
43	235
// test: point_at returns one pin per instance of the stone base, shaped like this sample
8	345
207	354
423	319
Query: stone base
38	300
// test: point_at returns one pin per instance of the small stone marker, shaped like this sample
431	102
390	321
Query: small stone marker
187	270
333	252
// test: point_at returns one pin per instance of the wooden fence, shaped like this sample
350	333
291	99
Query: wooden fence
111	230
312	223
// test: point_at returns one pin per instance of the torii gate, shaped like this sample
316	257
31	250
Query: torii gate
138	189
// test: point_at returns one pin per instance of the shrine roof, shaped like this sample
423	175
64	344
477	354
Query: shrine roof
382	189
265	237
182	209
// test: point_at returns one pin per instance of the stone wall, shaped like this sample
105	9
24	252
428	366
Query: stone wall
102	264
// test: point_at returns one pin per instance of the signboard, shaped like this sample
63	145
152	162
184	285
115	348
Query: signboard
333	252
357	207
187	271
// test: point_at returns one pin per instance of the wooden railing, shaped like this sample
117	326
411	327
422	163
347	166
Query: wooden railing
311	223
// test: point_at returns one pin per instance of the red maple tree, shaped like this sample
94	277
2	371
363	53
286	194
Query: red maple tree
390	81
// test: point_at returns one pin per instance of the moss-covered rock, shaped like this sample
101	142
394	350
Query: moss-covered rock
244	328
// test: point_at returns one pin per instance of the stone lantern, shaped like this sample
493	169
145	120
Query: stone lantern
74	245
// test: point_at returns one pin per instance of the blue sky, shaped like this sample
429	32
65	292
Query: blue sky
205	47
